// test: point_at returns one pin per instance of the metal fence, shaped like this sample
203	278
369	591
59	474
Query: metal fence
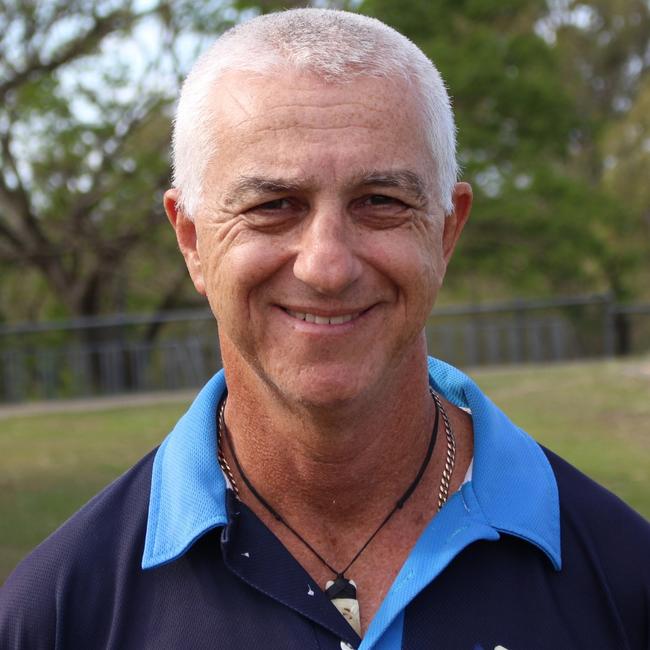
117	354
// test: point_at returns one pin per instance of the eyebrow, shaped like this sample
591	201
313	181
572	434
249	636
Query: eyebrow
402	178
257	185
253	185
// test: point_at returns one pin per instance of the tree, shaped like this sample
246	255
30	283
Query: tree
626	145
85	108
603	46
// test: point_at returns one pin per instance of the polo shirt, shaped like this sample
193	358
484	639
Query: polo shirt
529	554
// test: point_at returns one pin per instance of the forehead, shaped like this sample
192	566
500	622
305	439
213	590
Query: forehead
297	124
283	95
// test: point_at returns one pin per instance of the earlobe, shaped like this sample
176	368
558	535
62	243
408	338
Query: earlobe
185	230
455	222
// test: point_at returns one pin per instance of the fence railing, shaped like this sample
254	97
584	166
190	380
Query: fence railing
143	352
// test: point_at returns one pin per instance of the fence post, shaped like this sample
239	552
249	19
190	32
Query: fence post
609	325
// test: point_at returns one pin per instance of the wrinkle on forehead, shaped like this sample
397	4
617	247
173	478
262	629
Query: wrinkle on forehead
307	116
230	91
241	96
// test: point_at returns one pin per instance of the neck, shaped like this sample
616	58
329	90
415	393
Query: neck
330	463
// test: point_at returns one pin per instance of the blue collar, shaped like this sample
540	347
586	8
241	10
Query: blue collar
512	480
513	483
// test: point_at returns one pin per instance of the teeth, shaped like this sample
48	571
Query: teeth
322	320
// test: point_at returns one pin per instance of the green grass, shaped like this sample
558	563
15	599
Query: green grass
596	415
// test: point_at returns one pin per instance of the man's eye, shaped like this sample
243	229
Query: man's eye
273	206
380	211
275	214
381	202
377	200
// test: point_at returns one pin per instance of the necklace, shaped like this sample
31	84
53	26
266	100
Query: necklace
342	590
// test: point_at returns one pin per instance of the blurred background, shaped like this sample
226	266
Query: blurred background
552	100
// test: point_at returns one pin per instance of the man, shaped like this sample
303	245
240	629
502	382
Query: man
333	487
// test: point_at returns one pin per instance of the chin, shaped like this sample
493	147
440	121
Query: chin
318	386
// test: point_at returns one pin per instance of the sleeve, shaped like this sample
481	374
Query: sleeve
28	606
64	594
611	541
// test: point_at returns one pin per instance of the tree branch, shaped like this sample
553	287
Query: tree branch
83	44
6	231
97	191
168	301
19	196
17	199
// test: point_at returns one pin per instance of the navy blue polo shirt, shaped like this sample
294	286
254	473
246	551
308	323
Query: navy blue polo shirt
528	554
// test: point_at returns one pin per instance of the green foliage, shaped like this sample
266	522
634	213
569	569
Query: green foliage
605	69
551	236
84	140
626	152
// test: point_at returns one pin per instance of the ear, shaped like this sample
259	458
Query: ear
455	222
185	230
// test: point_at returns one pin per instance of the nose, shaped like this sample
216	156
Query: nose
326	260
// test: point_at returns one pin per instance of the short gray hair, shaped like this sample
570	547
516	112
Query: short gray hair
335	45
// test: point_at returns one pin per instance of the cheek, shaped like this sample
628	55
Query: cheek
426	272
432	254
415	260
429	280
238	273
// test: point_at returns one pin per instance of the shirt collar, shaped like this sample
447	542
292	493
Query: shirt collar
188	490
512	479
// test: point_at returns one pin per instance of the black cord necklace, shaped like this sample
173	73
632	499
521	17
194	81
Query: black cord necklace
342	589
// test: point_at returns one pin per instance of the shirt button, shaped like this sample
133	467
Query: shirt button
346	646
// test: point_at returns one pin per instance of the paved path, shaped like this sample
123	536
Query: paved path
94	403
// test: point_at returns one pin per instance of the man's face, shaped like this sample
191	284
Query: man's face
320	244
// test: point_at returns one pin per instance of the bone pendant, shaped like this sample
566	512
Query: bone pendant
349	608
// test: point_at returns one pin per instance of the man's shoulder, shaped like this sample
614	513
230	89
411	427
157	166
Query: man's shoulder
604	543
87	550
585	504
117	512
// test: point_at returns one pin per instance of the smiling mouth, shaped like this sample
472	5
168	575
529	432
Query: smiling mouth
323	320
